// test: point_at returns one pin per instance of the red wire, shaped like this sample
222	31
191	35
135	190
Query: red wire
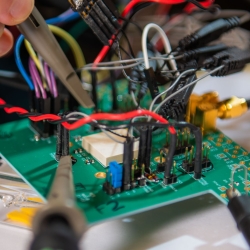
133	3
85	120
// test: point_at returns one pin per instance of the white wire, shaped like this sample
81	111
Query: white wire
139	61
103	130
160	57
131	131
188	85
168	26
134	99
166	44
172	86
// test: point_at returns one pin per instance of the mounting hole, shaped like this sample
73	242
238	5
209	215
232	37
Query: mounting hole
100	175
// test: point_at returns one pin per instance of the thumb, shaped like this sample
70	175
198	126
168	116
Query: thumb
13	12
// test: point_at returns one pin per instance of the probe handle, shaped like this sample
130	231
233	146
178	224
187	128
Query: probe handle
61	207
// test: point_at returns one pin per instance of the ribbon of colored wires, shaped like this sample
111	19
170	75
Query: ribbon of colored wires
60	19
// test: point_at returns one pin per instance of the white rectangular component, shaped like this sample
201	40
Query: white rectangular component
105	149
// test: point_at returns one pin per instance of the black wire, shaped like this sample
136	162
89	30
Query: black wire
111	131
197	4
129	44
5	106
134	23
134	11
125	52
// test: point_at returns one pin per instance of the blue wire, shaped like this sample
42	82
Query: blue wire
60	19
19	62
63	19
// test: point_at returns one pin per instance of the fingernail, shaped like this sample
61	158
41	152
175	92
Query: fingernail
19	9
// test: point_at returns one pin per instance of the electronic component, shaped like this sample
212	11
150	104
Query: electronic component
161	164
203	111
152	83
114	178
144	165
100	17
105	149
188	162
183	141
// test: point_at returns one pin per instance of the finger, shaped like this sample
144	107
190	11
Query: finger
13	12
1	29
6	42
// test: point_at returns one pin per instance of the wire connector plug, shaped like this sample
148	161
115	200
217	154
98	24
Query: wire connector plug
233	60
209	33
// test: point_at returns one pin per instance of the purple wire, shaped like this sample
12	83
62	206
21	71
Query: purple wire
37	92
47	75
53	84
38	79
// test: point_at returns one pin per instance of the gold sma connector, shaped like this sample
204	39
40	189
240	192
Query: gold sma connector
203	110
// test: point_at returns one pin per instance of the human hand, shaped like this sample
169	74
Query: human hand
12	12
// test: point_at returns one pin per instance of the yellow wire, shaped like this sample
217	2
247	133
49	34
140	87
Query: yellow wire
76	49
77	53
33	55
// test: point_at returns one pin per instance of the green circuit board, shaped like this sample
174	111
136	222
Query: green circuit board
35	161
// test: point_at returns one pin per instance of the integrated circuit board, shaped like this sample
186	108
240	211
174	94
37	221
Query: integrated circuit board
34	159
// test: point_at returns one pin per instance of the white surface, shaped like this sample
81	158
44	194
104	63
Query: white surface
105	149
203	224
